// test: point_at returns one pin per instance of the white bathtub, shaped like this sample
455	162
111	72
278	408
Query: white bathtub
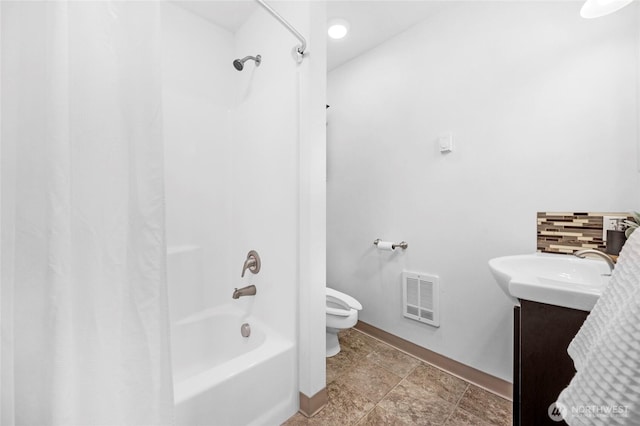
224	379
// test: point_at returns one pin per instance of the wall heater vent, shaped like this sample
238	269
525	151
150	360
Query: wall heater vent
420	297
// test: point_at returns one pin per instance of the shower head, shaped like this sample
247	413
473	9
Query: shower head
239	63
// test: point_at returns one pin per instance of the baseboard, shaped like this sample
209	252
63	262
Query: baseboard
310	406
481	379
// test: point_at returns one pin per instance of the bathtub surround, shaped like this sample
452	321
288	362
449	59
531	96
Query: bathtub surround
82	139
565	232
243	175
198	147
526	88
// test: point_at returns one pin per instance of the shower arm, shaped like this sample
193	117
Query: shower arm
300	49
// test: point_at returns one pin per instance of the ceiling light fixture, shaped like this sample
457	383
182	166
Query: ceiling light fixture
338	28
598	8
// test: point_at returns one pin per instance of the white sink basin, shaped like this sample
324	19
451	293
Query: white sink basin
555	279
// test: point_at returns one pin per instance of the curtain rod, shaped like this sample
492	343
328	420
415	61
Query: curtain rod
300	50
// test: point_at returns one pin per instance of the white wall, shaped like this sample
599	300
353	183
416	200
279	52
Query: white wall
7	225
638	100
542	105
312	205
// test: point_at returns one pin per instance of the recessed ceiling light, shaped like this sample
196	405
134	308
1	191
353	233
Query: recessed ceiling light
598	8
338	28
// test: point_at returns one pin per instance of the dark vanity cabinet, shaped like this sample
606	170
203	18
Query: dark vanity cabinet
541	365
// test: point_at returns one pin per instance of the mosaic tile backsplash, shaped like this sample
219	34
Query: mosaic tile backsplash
562	232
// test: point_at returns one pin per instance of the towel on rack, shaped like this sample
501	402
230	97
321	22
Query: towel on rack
606	352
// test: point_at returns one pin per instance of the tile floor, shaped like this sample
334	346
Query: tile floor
372	383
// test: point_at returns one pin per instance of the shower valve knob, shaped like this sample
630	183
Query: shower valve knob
252	263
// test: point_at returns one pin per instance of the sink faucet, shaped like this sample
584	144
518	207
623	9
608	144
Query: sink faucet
583	253
249	290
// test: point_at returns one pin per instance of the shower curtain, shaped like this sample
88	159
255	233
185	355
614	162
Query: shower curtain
83	295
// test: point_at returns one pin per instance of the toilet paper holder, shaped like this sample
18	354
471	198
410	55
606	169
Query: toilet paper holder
403	245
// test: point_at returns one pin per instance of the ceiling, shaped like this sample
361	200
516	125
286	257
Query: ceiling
372	22
228	14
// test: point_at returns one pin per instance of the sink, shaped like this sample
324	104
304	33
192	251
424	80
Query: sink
555	279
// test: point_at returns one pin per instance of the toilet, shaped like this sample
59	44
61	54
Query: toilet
342	313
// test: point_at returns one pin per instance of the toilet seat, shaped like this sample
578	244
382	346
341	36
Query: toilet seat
344	301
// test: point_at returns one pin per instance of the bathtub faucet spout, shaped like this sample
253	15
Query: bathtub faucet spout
249	290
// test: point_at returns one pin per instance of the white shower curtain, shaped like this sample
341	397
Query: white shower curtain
84	309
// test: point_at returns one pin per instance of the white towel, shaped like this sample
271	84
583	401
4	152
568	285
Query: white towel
606	352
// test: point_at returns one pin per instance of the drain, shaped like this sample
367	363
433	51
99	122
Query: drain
245	330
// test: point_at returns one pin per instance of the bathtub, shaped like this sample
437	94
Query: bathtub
224	379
